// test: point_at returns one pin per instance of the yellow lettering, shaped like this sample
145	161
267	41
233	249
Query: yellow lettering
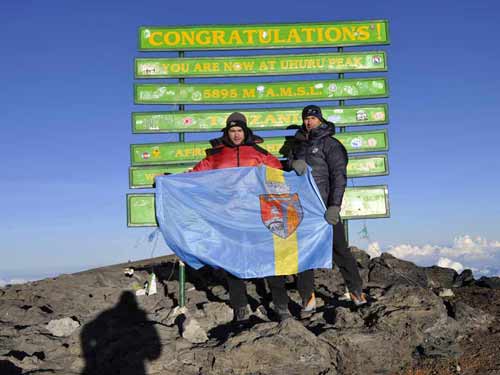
248	65
320	34
152	40
308	31
249	34
277	39
255	119
167	38
249	93
328	34
228	66
212	120
218	37
264	37
270	92
294	34
203	37
270	119
284	119
179	153
187	37
286	91
363	33
349	33
235	37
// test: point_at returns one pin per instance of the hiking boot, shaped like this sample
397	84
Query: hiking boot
282	312
241	314
359	299
308	307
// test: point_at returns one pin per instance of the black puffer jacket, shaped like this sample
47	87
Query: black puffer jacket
326	156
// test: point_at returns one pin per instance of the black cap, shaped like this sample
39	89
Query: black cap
236	119
312	110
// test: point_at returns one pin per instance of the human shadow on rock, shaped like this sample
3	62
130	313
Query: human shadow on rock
120	340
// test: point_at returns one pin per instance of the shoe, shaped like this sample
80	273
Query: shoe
241	314
308	307
282	312
359	299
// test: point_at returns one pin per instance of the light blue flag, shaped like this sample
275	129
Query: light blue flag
251	221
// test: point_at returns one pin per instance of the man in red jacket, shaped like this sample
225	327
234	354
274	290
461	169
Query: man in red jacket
238	147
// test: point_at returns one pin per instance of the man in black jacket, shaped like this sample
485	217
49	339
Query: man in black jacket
314	145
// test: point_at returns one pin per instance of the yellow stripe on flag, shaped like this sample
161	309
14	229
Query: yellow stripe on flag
274	175
286	255
286	250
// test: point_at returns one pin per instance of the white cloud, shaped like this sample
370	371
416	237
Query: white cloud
373	250
479	254
448	263
12	281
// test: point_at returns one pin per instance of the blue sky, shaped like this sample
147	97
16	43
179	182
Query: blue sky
66	98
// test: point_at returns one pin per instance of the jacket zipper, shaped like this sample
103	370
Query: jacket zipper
238	156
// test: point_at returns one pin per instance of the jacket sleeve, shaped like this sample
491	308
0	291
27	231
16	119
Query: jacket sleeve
336	156
272	161
204	165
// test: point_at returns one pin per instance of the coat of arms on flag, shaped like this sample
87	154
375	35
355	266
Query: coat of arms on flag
281	213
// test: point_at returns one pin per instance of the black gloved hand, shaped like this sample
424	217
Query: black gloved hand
332	215
299	166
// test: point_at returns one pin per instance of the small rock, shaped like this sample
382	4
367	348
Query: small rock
192	331
173	314
445	292
62	327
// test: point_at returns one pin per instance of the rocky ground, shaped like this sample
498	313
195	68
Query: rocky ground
419	321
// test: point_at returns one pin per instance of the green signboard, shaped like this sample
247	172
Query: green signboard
365	202
260	65
359	203
268	92
271	118
296	35
141	210
359	166
173	152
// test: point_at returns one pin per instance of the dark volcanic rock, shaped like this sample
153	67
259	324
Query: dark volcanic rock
464	279
440	277
93	323
387	270
489	282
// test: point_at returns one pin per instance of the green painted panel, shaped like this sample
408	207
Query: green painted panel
296	35
280	118
174	153
260	65
268	92
366	166
140	210
365	202
143	177
365	141
359	203
359	166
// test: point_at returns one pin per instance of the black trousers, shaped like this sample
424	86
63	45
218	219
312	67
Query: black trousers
238	290
343	258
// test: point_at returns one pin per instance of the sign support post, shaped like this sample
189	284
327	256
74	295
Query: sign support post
182	266
341	130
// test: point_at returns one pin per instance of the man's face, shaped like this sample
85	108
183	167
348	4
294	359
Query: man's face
236	135
311	122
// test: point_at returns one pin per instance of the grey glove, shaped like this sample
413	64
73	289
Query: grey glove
299	166
332	215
